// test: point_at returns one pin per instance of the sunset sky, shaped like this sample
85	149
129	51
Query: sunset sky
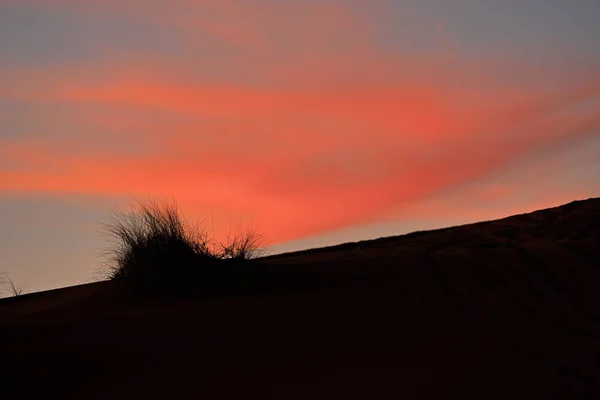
315	121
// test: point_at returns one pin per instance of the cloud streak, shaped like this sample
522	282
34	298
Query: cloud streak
314	123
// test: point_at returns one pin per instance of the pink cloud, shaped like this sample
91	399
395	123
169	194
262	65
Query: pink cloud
304	161
331	131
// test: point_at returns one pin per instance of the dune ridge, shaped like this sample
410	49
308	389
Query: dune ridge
497	309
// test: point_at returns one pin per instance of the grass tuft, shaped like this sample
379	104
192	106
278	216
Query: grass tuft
245	245
14	289
154	247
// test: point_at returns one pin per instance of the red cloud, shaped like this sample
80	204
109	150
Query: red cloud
301	161
318	127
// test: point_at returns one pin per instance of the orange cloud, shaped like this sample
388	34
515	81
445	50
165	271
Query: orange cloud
330	131
301	161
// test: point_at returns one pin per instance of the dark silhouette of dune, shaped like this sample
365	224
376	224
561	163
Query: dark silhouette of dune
493	310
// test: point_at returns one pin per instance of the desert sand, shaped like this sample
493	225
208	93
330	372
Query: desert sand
494	310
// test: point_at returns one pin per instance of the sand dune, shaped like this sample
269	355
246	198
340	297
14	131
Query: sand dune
495	310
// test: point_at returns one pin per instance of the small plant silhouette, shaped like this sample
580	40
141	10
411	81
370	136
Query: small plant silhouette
154	245
245	244
13	289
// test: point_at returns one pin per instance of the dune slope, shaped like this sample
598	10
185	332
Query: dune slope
500	309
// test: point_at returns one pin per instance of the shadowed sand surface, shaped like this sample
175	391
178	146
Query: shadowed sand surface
494	310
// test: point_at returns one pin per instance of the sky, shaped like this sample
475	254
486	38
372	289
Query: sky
315	122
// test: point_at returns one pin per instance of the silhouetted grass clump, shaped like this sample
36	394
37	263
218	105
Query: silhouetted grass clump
154	247
12	288
244	245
